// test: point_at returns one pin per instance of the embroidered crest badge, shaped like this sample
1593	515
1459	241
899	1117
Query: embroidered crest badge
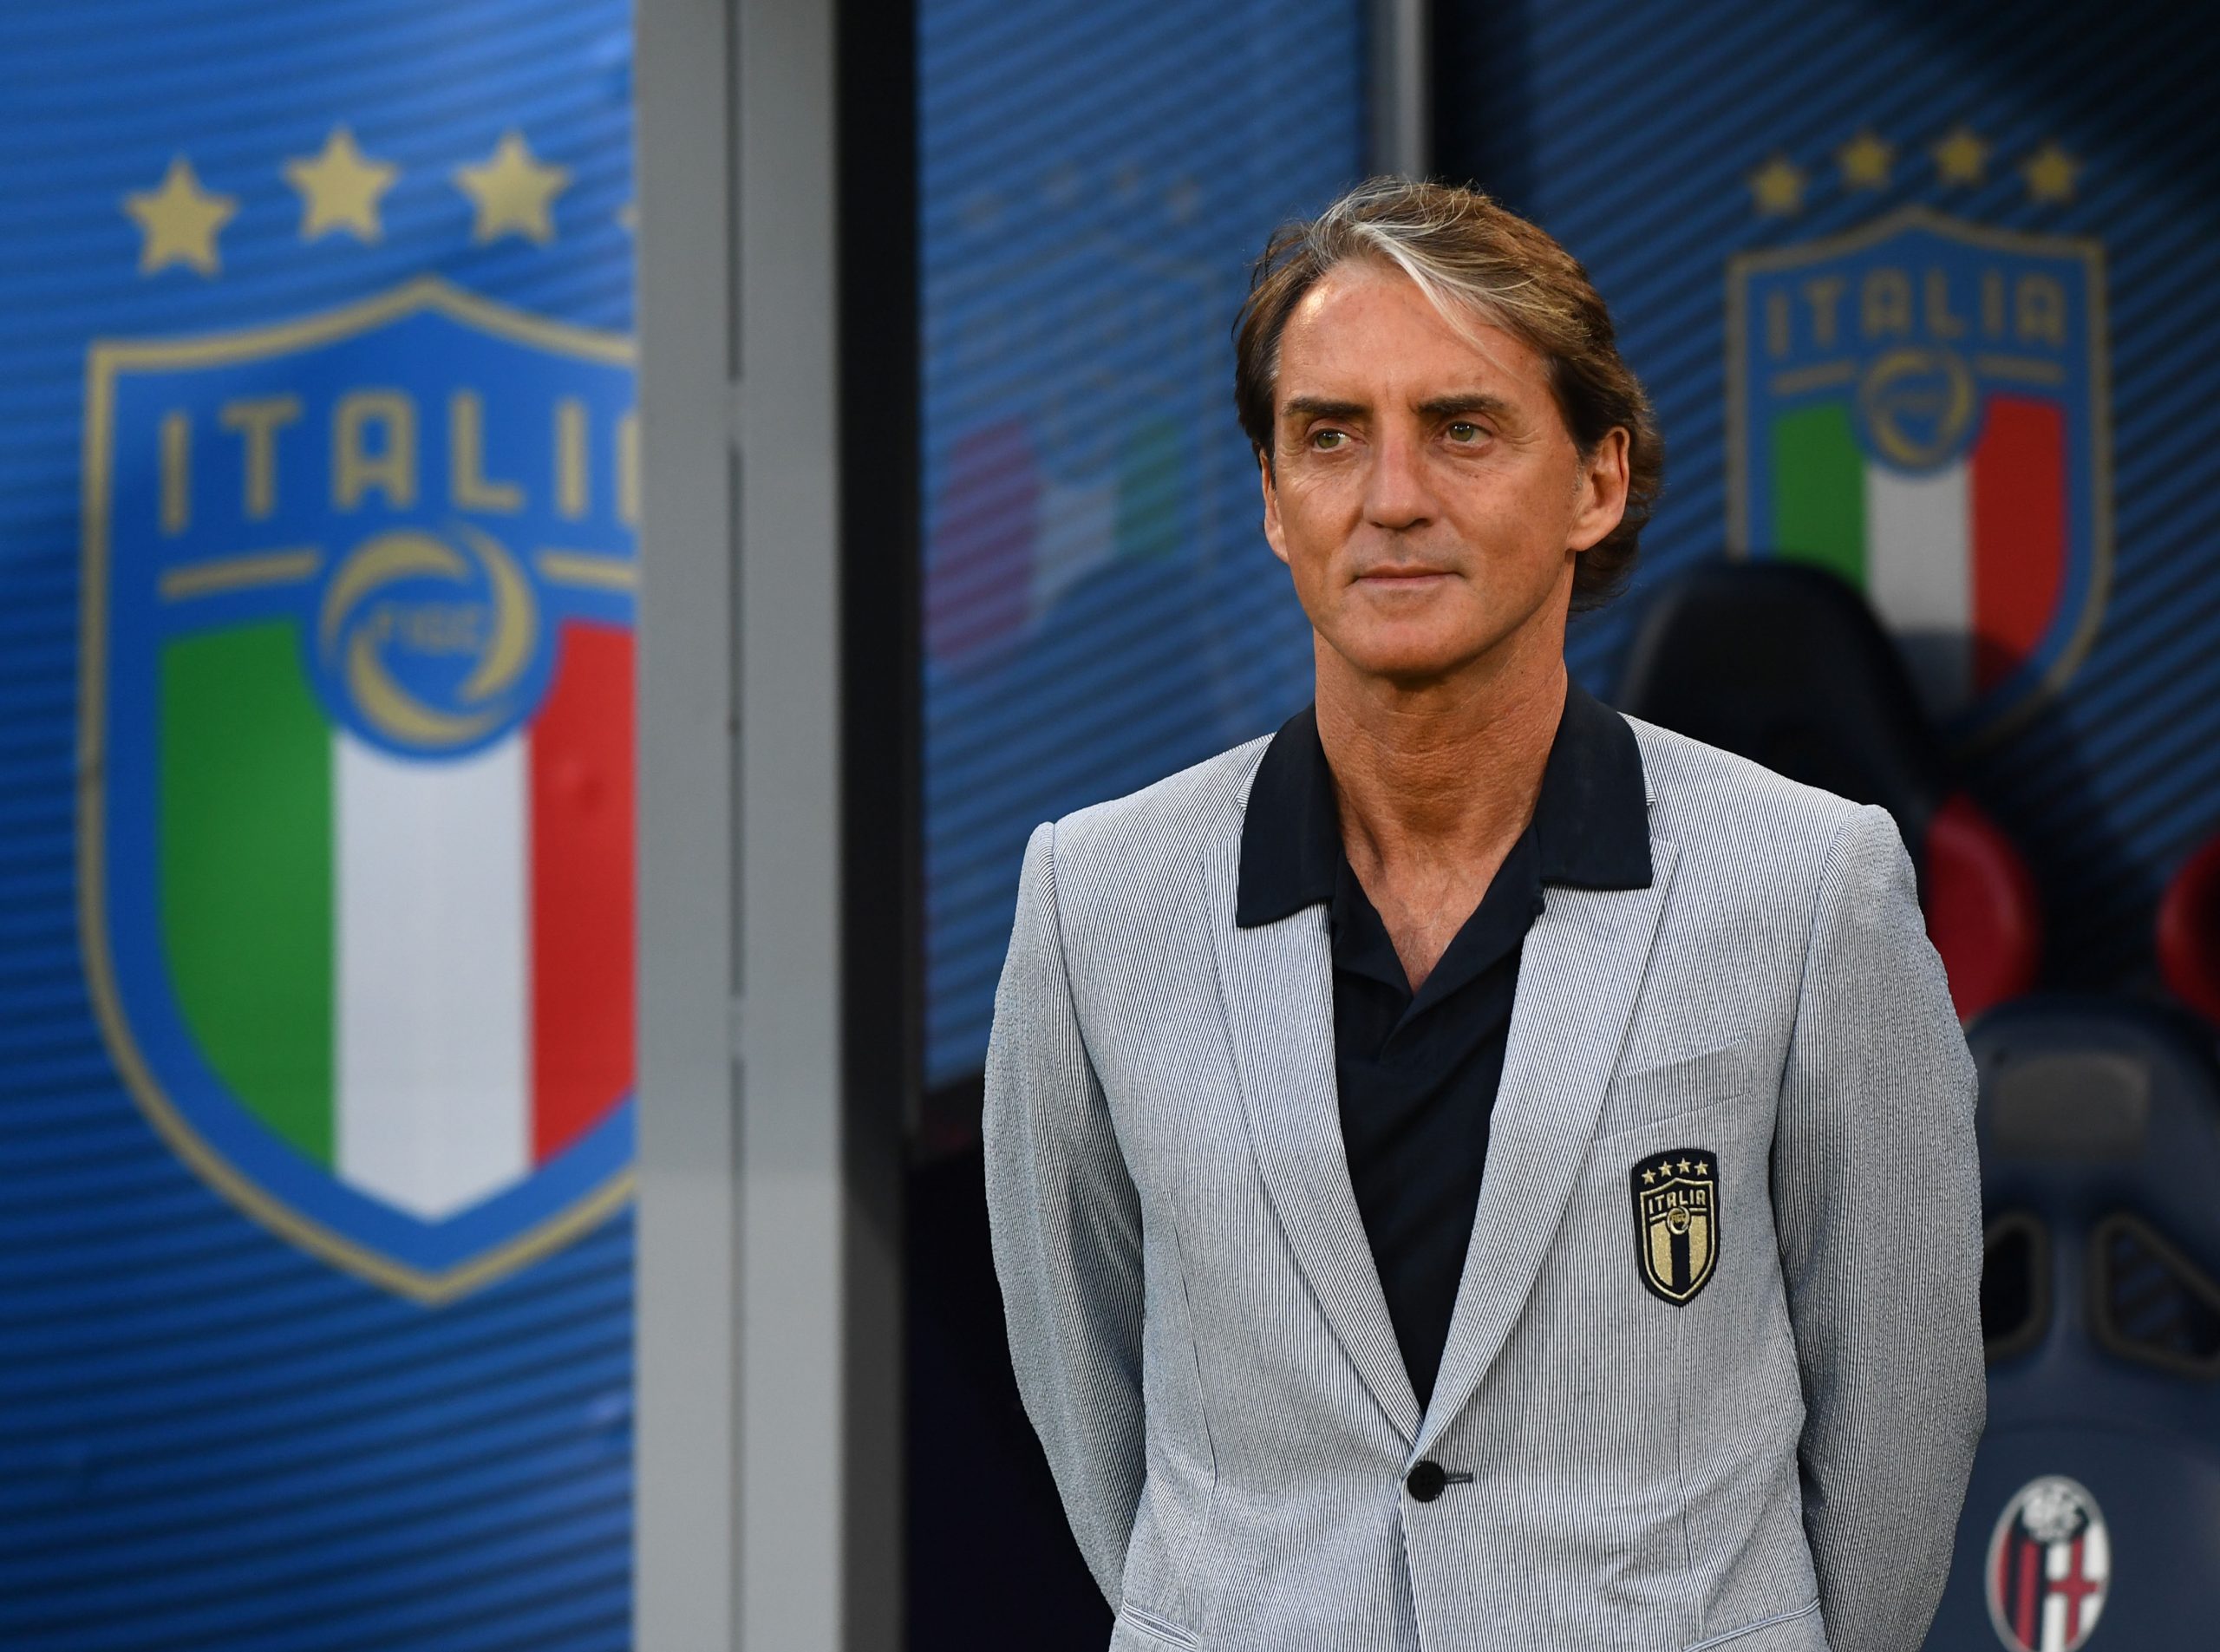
2049	1566
1676	1222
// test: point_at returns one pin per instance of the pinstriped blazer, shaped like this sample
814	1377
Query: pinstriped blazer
1774	1464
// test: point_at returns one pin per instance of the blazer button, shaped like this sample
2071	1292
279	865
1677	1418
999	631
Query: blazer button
1425	1482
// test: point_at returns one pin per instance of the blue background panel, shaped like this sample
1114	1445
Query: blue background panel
1631	132
208	1439
1100	606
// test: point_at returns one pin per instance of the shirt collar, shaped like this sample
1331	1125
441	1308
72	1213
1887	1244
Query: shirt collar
1591	820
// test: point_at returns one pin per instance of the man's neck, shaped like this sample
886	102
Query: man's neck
1441	774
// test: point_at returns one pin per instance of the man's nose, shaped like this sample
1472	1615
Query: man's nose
1397	494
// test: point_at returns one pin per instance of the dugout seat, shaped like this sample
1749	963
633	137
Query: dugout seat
2099	1127
1786	664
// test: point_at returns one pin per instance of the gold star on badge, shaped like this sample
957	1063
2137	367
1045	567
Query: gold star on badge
1778	187
2050	173
513	193
1960	157
339	188
1684	1167
179	220
1647	1177
1866	160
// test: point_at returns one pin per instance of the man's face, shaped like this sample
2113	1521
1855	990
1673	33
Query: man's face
1425	492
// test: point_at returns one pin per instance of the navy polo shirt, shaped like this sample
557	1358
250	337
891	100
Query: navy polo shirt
1418	1072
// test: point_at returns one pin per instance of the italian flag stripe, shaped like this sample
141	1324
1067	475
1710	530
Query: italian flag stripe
1915	528
419	973
2019	520
246	868
1964	562
581	1049
432	1102
1819	490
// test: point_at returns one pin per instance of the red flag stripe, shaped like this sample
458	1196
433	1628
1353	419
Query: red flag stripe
582	846
2023	1620
2018	504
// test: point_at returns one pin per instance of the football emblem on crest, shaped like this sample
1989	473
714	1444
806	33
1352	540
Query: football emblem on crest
2049	1567
1677	1221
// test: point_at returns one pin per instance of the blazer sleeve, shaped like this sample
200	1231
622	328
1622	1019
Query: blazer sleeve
1876	1191
1067	1230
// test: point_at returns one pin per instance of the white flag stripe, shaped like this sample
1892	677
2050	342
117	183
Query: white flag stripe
433	1062
2054	1629
1919	574
2096	1554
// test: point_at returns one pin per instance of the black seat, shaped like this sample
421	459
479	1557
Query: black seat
1786	664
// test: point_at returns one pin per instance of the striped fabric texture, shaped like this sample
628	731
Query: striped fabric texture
1199	1335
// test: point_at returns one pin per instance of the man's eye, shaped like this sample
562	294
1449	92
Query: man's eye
1464	431
1326	440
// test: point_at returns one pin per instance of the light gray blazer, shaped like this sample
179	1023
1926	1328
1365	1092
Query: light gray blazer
1198	1331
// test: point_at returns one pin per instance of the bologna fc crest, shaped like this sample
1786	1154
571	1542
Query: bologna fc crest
356	832
2049	1566
1920	406
1676	1222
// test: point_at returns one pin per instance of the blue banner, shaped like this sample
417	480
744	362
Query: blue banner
313	500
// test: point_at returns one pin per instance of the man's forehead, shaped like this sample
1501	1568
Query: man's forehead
1363	331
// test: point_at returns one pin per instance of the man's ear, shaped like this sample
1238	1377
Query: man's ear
1603	480
1275	535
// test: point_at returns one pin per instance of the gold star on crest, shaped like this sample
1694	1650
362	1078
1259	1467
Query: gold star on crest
2050	173
1778	187
1647	1177
1684	1167
1960	158
340	189
514	192
1865	159
179	220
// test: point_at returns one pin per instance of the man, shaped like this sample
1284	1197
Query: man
1474	1170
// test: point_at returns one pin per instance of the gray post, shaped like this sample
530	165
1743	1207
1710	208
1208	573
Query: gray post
1402	87
792	1228
686	1546
765	1325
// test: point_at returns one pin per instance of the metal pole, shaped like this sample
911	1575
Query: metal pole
687	1463
1402	87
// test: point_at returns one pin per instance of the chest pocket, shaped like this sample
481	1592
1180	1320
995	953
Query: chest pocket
1678	1085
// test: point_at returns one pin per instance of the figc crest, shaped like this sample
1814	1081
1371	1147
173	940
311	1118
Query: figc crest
1920	405
355	822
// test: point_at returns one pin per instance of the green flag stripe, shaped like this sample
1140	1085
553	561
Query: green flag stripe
1819	490
246	898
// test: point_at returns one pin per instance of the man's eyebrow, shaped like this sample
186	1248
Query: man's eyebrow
1480	402
1318	406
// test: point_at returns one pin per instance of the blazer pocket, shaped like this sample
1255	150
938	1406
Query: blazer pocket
1151	1630
1683	1084
1797	1631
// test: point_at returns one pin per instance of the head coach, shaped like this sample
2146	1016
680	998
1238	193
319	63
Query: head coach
1474	1170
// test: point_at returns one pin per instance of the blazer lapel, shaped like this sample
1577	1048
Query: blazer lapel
1276	984
1578	977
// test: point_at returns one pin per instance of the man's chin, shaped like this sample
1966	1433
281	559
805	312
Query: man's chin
1412	664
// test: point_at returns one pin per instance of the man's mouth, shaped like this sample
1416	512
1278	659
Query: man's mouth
1399	575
